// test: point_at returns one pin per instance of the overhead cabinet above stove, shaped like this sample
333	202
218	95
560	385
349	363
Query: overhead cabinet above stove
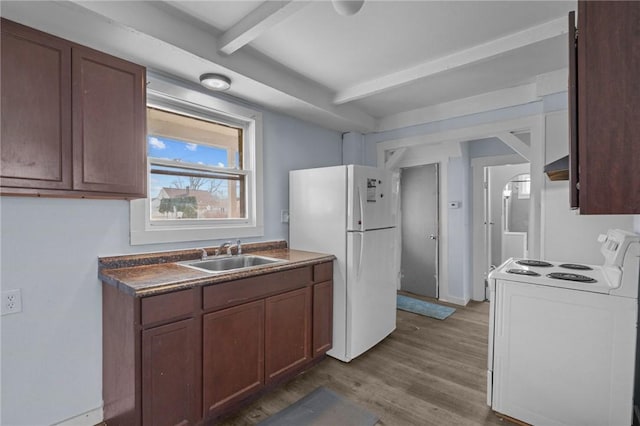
604	107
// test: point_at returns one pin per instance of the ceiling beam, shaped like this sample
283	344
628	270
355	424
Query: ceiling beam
463	58
151	36
498	99
393	158
264	17
516	144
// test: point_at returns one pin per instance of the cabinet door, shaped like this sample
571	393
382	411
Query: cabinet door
36	109
609	106
287	332
322	317
109	146
233	355
573	113
169	374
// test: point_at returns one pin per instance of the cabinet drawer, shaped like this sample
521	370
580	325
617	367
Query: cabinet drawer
168	306
323	272
240	291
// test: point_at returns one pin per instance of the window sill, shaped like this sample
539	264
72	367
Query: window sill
145	233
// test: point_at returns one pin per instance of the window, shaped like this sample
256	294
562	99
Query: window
196	168
204	174
523	186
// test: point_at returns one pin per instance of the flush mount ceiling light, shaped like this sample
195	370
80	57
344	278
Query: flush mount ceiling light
347	7
215	81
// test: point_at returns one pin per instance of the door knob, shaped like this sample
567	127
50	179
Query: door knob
433	237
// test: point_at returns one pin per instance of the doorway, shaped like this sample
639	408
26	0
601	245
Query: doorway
419	207
486	218
507	222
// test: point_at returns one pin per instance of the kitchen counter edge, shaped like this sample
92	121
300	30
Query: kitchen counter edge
155	279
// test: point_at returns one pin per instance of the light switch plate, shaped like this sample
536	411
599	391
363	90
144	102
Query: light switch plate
284	216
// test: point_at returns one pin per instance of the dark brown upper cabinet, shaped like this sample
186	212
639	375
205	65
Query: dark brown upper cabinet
36	109
73	119
604	107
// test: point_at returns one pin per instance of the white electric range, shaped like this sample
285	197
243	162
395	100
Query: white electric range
562	338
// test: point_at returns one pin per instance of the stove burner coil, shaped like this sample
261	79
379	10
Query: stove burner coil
576	267
523	272
530	262
571	277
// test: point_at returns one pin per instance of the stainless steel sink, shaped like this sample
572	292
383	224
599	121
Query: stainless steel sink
230	263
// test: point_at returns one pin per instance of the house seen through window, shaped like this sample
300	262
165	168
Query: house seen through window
196	169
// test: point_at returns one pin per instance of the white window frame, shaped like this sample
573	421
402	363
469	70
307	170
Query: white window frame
521	194
173	96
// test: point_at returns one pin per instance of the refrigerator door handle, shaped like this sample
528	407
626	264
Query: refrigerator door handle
360	223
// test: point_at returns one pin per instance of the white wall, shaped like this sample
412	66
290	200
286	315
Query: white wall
563	235
568	236
52	350
429	147
353	148
459	226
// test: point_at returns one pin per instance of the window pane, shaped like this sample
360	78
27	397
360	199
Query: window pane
187	188
169	149
192	194
179	137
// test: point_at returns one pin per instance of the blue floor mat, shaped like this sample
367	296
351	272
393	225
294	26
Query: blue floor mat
421	307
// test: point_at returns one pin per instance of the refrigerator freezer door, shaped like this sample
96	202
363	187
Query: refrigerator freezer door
318	210
371	289
370	199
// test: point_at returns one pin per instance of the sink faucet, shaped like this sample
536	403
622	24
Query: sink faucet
204	255
222	246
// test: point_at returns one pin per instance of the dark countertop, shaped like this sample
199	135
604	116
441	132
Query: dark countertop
145	279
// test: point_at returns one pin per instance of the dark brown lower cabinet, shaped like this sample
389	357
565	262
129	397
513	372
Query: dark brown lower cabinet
322	318
287	332
168	375
233	355
195	355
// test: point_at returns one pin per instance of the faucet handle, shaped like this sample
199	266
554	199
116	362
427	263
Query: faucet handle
239	247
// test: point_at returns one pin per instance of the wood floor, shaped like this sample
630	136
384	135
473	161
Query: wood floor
427	372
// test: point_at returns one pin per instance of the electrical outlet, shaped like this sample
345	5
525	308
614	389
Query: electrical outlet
11	302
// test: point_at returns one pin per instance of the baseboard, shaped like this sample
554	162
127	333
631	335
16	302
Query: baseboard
90	418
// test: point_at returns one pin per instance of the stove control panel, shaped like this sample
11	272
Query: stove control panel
615	244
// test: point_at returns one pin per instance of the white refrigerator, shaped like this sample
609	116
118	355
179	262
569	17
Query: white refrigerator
350	211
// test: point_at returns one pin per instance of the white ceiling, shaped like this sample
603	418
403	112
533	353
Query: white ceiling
304	59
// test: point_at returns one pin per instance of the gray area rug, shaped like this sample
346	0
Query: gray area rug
322	407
